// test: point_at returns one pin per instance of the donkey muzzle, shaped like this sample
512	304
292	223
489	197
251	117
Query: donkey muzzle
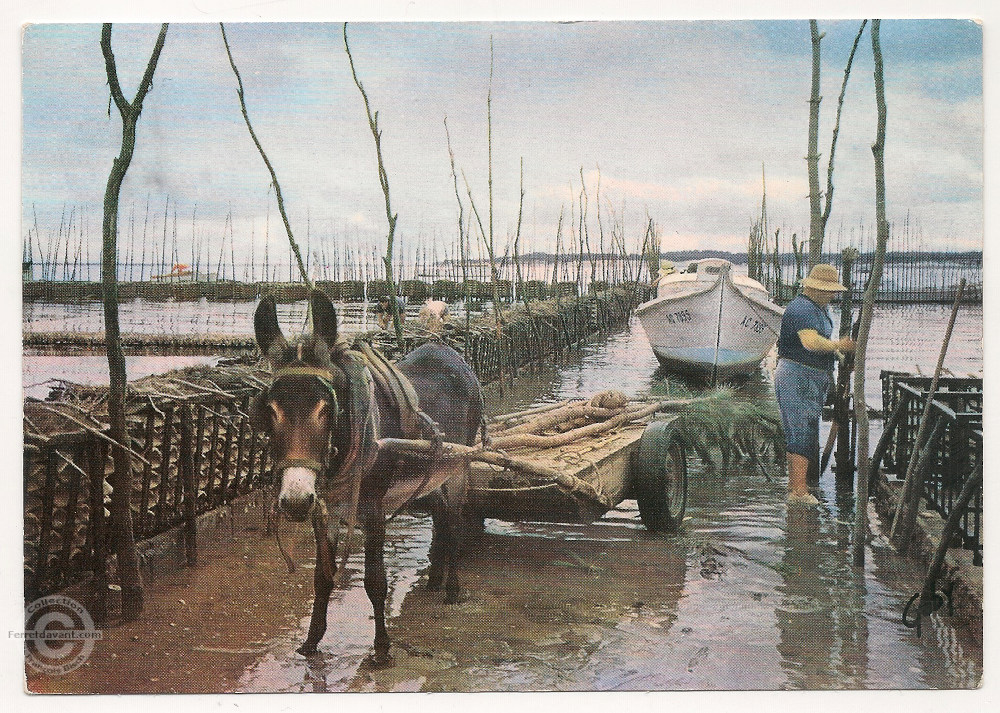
297	497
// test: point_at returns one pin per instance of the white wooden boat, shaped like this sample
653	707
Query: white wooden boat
712	324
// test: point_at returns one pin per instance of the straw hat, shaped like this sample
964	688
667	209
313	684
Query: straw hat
824	277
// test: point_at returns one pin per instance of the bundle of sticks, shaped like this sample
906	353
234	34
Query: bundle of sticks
555	425
549	426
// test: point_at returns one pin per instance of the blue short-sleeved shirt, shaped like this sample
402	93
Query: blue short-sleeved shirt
802	313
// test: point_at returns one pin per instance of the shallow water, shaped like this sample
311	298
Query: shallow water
197	318
903	337
750	595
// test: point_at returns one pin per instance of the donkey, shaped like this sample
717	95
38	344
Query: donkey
324	413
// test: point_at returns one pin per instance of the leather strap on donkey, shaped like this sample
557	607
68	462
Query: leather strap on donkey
343	482
413	422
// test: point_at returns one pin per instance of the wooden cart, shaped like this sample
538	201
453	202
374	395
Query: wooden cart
582	480
574	461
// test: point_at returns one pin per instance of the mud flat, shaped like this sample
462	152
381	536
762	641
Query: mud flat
751	595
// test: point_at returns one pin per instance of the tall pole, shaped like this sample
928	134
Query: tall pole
812	157
383	178
121	509
267	162
867	308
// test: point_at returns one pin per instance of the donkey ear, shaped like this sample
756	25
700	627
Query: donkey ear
324	317
265	325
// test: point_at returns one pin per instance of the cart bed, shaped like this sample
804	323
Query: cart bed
602	461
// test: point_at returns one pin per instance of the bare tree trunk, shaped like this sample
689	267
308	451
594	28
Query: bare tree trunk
555	263
812	157
836	132
383	178
585	231
145	227
874	280
163	245
494	278
579	239
128	560
274	178
194	262
600	230
842	412
461	232
517	241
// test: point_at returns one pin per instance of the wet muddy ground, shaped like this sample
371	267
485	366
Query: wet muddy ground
751	594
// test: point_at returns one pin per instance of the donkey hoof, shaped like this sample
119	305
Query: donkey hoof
307	649
379	660
456	596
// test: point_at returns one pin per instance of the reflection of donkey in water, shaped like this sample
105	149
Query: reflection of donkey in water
326	408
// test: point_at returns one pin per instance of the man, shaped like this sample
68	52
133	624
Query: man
806	356
383	311
433	316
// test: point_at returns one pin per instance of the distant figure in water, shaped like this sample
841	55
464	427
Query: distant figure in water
383	311
433	316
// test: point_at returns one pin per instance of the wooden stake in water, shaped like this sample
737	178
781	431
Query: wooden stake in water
384	181
867	308
845	460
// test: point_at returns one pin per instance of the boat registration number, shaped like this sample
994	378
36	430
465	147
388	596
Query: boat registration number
679	317
754	325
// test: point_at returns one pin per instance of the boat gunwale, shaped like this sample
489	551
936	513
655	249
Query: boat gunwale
646	306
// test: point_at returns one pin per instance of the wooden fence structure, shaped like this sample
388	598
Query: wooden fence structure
198	452
72	291
954	444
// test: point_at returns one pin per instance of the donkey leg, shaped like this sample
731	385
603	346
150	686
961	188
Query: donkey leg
454	495
451	585
435	575
375	584
323	584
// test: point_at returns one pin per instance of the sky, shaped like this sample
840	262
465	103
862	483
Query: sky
676	120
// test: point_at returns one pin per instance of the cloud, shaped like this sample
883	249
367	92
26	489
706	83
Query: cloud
679	117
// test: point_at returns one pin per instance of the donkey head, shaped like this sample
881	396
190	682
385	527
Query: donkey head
300	409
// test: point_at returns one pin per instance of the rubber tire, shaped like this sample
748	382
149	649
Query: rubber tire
660	477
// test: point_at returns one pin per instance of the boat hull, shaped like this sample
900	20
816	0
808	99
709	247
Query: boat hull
711	331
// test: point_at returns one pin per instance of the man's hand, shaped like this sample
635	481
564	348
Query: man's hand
812	341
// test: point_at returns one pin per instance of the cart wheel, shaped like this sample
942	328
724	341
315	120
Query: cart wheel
660	477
